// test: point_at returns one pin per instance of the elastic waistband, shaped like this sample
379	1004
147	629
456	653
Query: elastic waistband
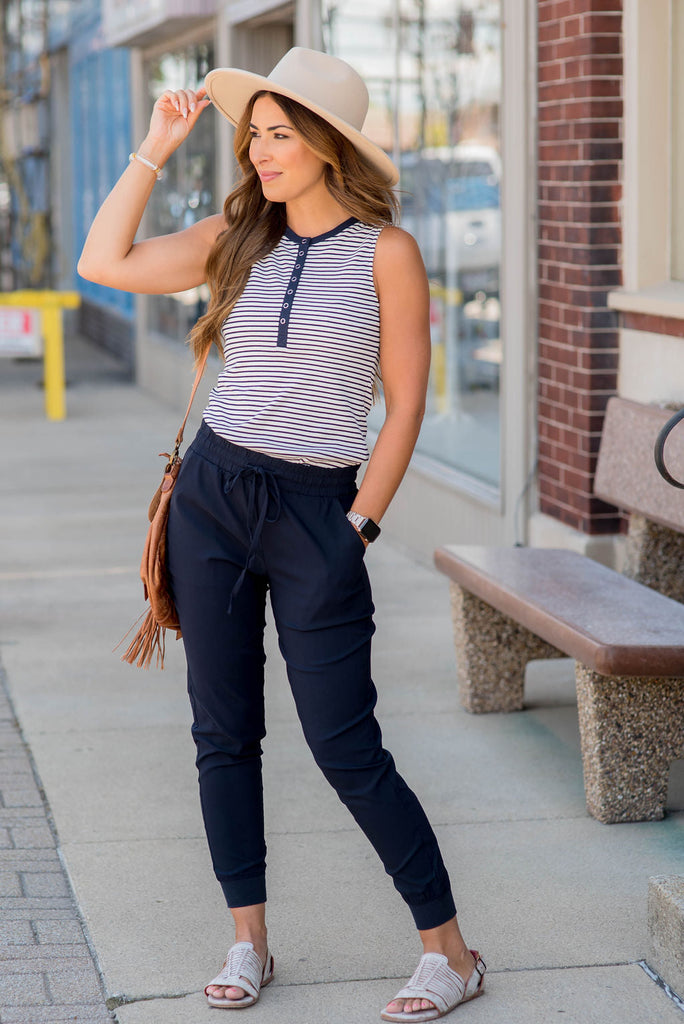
291	476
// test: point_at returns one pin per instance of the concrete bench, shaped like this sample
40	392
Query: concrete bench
515	605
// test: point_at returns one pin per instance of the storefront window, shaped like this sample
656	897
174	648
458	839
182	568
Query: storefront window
434	73
186	193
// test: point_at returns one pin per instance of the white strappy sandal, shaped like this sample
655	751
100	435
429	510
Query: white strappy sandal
434	980
242	969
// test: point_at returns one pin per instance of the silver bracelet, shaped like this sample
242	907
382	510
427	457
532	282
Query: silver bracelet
155	168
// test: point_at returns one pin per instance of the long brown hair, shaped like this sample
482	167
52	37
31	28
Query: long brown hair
255	225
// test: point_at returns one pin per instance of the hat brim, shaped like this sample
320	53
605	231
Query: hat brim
230	90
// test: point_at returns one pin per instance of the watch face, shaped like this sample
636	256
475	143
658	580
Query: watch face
370	530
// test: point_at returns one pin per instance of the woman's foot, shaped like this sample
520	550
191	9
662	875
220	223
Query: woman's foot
463	965
447	940
250	926
233	992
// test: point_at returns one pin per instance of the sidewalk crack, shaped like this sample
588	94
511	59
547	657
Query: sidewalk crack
661	983
114	1002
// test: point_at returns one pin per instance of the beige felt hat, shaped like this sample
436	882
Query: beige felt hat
324	84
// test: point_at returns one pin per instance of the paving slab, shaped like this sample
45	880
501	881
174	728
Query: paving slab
590	996
52	1014
45	960
142	783
540	872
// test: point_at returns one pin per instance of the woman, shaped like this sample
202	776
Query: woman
312	290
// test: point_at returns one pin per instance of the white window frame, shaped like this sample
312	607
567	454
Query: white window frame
648	286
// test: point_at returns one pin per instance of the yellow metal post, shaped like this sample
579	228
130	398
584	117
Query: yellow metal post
51	305
53	363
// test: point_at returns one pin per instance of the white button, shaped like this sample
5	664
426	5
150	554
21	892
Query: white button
283	320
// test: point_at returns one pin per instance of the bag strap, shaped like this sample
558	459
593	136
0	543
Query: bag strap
179	437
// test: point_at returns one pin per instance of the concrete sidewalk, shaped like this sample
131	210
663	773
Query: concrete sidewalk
555	901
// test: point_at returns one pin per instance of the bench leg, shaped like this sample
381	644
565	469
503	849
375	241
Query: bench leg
631	730
491	654
654	556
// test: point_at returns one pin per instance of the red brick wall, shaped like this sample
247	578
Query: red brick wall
580	152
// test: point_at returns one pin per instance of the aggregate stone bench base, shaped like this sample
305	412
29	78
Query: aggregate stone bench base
631	731
492	652
654	556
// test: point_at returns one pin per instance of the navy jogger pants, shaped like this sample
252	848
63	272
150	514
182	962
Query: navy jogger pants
242	523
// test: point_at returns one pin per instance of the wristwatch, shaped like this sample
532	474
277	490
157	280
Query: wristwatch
369	530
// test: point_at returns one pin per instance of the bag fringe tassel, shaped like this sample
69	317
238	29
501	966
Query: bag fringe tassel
148	642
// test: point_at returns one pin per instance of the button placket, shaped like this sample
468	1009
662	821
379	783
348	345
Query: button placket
288	299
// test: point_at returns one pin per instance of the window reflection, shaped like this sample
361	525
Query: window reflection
433	70
186	192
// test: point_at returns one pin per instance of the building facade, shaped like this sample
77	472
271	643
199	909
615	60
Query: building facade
580	112
65	131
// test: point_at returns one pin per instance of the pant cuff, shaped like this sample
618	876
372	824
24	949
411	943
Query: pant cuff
434	913
244	892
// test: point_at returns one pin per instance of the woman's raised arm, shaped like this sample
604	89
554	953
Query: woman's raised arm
168	263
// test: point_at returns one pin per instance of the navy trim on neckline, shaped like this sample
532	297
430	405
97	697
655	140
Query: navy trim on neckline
294	237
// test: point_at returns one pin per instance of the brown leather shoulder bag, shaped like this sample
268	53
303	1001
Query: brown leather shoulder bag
150	638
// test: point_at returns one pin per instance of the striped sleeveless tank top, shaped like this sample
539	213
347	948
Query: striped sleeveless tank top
301	350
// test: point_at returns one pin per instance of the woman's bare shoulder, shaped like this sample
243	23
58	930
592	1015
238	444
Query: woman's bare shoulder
397	258
396	244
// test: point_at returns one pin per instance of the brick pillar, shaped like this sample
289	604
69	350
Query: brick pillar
580	153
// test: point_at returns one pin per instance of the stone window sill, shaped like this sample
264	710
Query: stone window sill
662	300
